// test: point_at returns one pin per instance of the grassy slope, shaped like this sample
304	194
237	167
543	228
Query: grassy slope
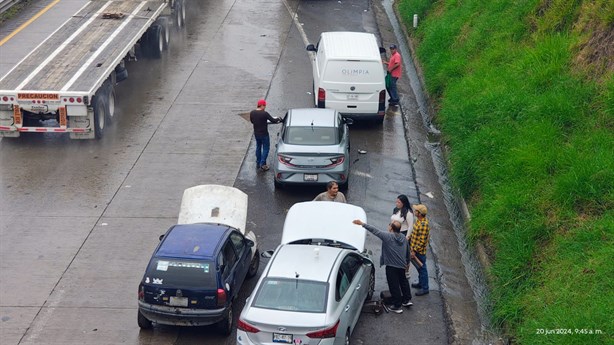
524	92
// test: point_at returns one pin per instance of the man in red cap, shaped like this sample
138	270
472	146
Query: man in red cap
260	119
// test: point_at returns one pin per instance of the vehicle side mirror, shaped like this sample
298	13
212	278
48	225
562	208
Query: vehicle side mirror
311	48
382	50
249	242
161	237
267	254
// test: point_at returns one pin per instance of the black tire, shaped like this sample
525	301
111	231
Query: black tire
371	285
277	184
110	97
166	34
153	42
254	265
100	116
143	322
347	337
179	14
344	186
226	325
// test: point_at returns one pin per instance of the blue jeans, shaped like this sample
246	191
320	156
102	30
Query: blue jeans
423	275
392	90
263	145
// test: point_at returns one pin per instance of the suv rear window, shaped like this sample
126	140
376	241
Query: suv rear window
292	295
311	136
181	273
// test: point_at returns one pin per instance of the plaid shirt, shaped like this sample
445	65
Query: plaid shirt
419	237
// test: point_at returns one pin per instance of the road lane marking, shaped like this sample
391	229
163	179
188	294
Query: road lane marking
24	25
298	25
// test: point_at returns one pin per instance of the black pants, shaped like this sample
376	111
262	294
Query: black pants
398	285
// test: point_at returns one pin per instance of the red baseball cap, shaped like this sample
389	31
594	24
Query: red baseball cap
261	103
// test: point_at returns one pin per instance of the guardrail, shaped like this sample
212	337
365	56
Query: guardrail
7	4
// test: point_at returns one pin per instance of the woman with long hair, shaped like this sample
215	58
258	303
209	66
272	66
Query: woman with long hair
403	214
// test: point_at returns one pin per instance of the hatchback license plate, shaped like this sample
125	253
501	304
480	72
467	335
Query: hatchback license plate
310	177
282	338
178	301
352	97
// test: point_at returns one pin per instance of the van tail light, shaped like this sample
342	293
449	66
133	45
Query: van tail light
329	332
381	110
246	327
221	297
142	293
322	98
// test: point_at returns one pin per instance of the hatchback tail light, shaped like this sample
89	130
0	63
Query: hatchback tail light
322	98
246	327
142	293
329	332
221	297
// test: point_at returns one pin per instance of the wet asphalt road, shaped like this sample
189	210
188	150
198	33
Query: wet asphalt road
79	219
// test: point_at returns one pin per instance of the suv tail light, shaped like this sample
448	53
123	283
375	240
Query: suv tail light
246	327
221	297
329	332
322	97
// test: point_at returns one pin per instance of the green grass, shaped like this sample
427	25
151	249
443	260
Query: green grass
525	99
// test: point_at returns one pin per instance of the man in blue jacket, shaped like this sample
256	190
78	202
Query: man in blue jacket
395	256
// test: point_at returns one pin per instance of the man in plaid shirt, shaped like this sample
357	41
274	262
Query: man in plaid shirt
418	241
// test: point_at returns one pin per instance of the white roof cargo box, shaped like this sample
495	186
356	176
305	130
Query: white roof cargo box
214	204
325	220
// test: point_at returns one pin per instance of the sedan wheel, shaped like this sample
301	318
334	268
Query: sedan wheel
347	337
371	285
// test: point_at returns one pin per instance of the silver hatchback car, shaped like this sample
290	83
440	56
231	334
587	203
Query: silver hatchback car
312	148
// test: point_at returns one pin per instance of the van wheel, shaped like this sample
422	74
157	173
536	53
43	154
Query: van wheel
143	322
100	115
179	14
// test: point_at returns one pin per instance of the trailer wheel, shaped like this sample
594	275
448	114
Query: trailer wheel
179	14
100	116
156	41
110	101
166	33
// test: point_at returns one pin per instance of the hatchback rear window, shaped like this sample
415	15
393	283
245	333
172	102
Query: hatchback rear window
181	273
311	136
292	295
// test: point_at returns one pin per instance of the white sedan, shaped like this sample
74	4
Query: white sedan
313	289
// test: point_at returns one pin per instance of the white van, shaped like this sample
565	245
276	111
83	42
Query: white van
348	75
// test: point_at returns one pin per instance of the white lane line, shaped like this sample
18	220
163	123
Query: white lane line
298	25
101	48
62	47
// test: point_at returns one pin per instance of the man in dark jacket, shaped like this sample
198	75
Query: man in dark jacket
260	119
395	256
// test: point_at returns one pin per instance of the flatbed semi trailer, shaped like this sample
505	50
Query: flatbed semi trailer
67	83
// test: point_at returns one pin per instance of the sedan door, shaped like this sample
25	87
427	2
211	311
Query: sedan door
347	290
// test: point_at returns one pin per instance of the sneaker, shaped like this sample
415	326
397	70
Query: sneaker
416	285
393	309
421	292
264	167
407	304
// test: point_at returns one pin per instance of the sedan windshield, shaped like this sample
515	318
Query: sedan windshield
292	295
311	136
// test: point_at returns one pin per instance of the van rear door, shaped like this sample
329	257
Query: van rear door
353	86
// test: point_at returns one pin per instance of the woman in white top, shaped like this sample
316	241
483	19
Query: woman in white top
402	213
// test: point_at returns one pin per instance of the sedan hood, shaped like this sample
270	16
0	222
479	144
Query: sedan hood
325	220
214	204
